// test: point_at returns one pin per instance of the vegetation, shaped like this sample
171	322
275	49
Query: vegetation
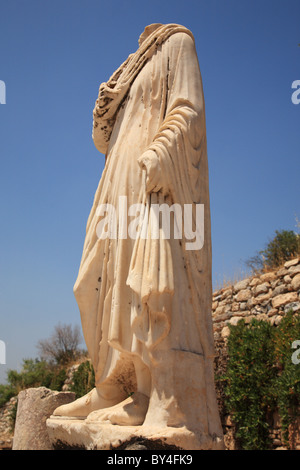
57	354
284	246
260	378
63	346
83	379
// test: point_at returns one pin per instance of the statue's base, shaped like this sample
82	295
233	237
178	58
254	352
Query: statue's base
68	434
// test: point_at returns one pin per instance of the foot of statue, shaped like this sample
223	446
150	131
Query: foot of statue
96	399
131	412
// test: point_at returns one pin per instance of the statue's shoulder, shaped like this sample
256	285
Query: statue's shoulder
182	39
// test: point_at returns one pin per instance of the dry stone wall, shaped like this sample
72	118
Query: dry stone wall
265	297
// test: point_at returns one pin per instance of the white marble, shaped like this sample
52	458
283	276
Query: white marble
145	303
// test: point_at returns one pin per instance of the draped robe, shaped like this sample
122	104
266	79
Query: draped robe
135	294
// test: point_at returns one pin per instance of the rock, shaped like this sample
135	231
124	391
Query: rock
296	282
219	311
282	272
293	270
268	277
217	297
241	285
262	288
243	295
287	279
291	262
255	281
222	317
280	290
243	306
262	317
234	320
35	405
275	320
284	299
294	306
260	299
235	306
226	293
272	312
225	332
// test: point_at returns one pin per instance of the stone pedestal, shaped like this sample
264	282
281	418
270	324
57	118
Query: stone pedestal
35	405
78	434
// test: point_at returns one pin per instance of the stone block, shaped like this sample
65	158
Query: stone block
35	406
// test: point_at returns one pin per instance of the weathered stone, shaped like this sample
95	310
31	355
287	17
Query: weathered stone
268	277
282	272
287	279
272	312
219	311
296	282
222	317
68	434
243	306
243	295
249	318
35	405
234	320
293	270
284	299
217	297
225	332
282	289
241	285
235	306
262	288
294	306
262	298
214	305
255	281
291	262
275	320
226	293
262	317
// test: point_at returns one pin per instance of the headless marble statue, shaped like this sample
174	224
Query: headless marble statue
145	302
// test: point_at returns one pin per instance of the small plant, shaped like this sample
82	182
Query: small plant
83	379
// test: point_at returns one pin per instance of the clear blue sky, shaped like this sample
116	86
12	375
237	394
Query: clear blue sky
54	55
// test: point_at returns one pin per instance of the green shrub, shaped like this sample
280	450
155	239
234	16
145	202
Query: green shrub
250	372
83	379
6	393
288	379
283	246
260	378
